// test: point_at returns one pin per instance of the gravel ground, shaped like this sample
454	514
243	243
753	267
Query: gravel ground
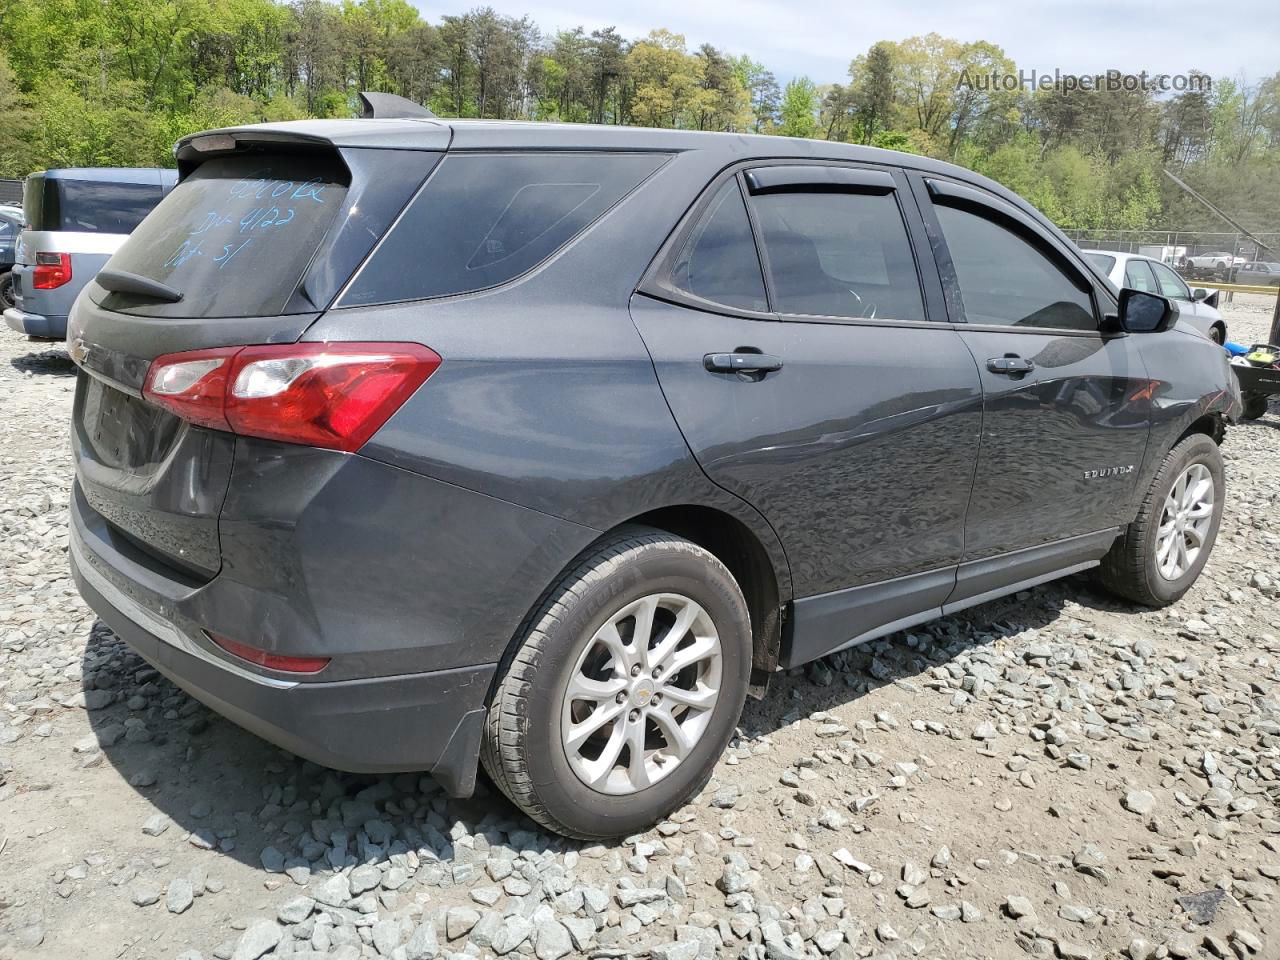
1055	774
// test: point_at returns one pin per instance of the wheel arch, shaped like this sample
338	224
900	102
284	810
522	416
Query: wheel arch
739	549
762	574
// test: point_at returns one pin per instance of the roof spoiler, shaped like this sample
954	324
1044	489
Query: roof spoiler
386	106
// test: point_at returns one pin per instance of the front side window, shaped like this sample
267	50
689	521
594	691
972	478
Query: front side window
1170	283
1137	276
839	255
1006	281
719	262
484	219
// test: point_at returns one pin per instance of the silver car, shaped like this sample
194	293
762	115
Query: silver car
76	218
1197	308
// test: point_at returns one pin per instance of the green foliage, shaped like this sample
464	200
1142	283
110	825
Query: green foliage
118	81
799	109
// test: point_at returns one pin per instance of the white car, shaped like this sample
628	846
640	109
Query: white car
1220	260
1195	307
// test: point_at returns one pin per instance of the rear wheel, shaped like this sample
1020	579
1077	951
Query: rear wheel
1160	555
1255	406
7	298
624	689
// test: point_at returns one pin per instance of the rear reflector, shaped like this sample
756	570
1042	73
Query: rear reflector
332	395
51	271
272	661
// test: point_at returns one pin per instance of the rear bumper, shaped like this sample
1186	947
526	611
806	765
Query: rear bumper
35	324
426	721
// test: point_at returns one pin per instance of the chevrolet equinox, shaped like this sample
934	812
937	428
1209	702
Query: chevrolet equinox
417	444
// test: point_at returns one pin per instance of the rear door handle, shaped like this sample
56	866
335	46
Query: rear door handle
741	362
1010	364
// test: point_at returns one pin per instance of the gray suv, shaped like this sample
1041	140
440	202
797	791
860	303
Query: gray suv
76	218
430	445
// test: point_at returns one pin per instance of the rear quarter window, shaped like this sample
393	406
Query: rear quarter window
86	206
484	219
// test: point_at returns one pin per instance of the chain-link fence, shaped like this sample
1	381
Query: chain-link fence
1220	257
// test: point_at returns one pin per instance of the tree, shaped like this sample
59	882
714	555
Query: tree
799	109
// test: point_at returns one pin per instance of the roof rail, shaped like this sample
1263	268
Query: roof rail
386	106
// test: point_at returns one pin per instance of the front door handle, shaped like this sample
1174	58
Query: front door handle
741	362
1010	364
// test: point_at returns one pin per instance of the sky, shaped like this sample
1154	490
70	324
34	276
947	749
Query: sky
819	40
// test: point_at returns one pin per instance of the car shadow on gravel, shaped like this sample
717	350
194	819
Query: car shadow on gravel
226	789
48	363
910	656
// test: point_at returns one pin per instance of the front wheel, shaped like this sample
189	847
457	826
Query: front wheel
1161	553
7	299
624	688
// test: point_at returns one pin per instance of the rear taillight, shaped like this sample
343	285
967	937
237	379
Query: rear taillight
333	395
273	661
51	271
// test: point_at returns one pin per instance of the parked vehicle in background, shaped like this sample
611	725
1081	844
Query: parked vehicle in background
1262	273
10	227
407	443
1197	308
1219	261
76	218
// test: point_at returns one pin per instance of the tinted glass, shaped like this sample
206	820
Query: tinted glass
7	229
88	207
484	219
1102	261
1137	275
1170	283
839	255
235	237
719	260
1005	280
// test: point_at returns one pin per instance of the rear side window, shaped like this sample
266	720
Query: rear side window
484	219
88	206
1137	276
1005	280
719	261
235	237
839	255
1101	260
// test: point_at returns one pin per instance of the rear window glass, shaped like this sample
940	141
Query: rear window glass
484	219
88	206
1101	261
235	237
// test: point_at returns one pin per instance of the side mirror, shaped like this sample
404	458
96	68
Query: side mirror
1199	293
1142	312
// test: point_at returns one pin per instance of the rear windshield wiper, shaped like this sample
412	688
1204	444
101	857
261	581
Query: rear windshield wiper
122	281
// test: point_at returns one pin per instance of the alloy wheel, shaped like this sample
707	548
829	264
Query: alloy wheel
1185	521
641	694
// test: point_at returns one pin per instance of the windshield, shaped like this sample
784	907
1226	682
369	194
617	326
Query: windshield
234	238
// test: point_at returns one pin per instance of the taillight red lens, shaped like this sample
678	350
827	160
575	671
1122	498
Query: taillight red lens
51	271
333	395
273	661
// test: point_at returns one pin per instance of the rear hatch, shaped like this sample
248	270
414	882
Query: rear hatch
256	240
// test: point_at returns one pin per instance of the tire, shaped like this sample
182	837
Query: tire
1132	568
6	290
1218	334
527	751
1255	406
